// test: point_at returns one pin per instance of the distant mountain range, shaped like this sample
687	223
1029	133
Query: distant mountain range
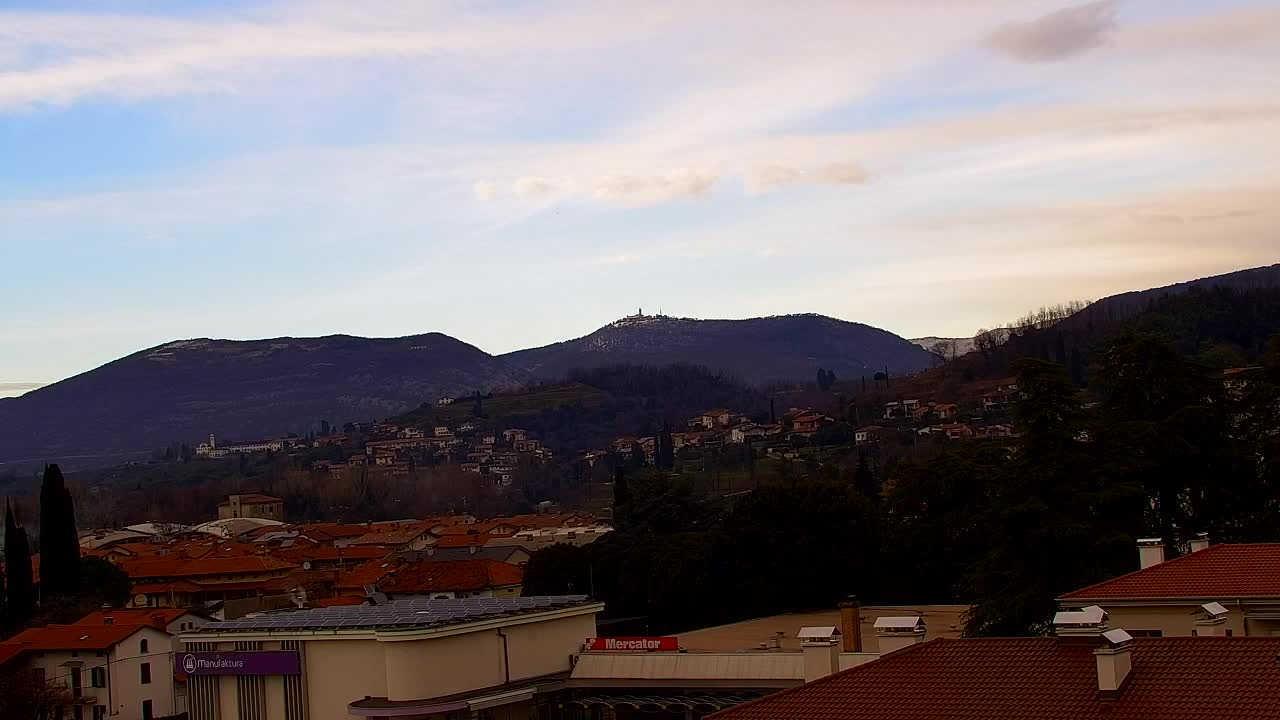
784	348
962	345
184	390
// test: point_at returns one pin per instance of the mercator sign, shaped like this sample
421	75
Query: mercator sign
261	662
634	644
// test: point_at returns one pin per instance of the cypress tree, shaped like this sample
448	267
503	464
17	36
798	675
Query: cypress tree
19	585
59	543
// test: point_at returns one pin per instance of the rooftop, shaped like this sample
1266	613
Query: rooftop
941	620
1038	679
1215	573
406	614
156	617
72	637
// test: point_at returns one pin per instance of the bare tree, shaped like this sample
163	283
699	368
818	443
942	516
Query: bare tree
24	697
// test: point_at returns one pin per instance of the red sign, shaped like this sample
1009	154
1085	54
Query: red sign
634	644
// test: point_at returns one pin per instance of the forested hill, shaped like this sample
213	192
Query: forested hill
1223	321
786	347
596	405
240	390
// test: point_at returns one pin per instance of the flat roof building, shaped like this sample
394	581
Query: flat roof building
409	658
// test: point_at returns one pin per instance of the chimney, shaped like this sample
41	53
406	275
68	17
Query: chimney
851	624
896	633
1080	627
1114	663
821	649
1211	620
1199	542
1150	552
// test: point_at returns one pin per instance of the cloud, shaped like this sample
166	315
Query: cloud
532	186
484	190
1058	35
771	177
650	189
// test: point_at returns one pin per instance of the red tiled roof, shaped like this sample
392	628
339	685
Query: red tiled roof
321	531
454	541
390	537
329	553
1209	678
369	573
155	617
171	566
1216	573
9	652
72	637
182	586
439	576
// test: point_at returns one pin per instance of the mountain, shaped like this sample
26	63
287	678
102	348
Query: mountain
184	390
784	347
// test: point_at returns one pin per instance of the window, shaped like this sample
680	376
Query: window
108	620
142	646
99	712
146	710
98	677
1146	633
38	675
77	712
146	673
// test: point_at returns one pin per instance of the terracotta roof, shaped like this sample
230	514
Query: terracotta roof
1215	573
390	537
155	588
455	541
72	637
329	553
321	531
155	617
171	566
369	573
440	576
1038	679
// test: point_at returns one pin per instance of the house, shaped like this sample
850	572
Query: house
445	401
993	431
169	620
176	580
868	434
111	671
718	417
441	431
264	507
513	434
946	411
211	448
1240	584
410	537
1087	672
892	410
449	579
808	423
745	431
956	431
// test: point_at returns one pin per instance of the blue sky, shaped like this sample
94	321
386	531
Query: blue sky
517	173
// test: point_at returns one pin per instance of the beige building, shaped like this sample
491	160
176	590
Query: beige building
1230	589
265	507
116	672
477	657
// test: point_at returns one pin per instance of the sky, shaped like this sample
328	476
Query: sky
517	173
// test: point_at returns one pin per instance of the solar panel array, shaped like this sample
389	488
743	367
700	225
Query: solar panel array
404	614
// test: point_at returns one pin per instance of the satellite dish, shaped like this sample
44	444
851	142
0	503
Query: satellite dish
140	600
306	565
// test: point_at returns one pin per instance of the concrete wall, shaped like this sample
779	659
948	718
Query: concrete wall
1171	620
543	648
425	669
340	671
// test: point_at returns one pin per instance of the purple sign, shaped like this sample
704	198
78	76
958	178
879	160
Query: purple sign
255	662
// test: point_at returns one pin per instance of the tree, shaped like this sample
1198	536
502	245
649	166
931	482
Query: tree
864	480
1056	503
24	697
102	582
19	584
665	451
59	542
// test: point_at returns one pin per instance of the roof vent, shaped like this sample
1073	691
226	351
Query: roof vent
1114	663
1150	552
823	634
1199	542
1085	626
1211	620
895	633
